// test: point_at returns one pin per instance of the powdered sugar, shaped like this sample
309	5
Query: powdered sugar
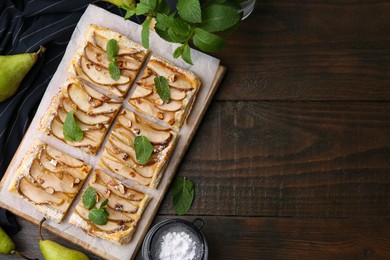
177	246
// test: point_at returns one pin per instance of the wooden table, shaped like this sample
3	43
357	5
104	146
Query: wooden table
292	159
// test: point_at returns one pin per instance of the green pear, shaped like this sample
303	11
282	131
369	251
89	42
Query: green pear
119	3
54	251
13	68
7	246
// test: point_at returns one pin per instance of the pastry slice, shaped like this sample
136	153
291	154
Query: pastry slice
93	113
183	85
91	61
49	179
119	155
125	207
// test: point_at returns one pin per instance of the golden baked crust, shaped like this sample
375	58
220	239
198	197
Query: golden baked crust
119	155
91	61
125	207
93	112
49	179
183	84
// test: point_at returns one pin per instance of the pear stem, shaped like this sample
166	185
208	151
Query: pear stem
40	228
25	257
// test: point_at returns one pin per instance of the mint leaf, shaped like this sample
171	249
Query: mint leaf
129	14
72	132
145	7
172	29
162	87
178	51
145	32
218	18
112	48
183	191
104	203
163	7
186	55
163	34
89	198
143	149
189	10
207	41
98	216
114	70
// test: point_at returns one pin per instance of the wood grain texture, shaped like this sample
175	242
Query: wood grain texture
309	50
311	159
270	238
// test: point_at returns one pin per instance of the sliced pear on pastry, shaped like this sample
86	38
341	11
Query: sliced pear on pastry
78	96
85	118
96	55
100	75
171	106
62	157
101	42
177	94
140	91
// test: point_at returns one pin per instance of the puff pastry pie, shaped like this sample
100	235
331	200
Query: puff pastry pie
49	179
119	155
91	61
183	85
93	112
125	207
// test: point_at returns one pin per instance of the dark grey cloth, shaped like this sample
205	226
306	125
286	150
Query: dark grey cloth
24	26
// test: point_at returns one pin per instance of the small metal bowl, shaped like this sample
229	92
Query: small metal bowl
151	246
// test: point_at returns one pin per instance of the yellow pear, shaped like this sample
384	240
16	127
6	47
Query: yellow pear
120	2
13	68
54	251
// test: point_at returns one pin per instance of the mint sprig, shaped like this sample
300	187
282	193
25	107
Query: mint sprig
112	50
99	216
190	23
72	132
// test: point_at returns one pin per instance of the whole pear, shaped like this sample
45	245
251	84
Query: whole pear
54	251
7	246
13	68
119	3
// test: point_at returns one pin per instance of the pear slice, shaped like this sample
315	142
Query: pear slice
148	108
62	113
180	81
130	193
85	118
110	226
96	55
101	42
39	196
140	91
57	130
78	96
62	157
50	180
177	94
172	106
58	167
128	62
97	95
100	75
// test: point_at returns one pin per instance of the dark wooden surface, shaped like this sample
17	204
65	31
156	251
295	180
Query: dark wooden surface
292	159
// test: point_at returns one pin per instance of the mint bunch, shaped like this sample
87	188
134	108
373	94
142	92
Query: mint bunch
190	22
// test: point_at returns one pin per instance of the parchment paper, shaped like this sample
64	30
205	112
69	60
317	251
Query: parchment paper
204	66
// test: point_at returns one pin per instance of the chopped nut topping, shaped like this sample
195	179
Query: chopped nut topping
160	115
98	68
98	58
53	162
136	131
112	182
88	66
105	98
49	190
132	174
172	78
41	181
171	121
121	188
74	106
158	101
76	181
124	156
118	207
138	101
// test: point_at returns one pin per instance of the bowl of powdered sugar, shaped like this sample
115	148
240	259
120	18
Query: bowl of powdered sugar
175	239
